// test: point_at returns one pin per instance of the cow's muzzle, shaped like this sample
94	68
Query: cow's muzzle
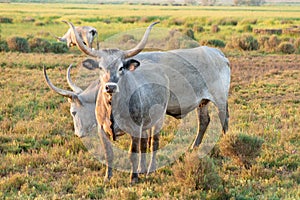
111	88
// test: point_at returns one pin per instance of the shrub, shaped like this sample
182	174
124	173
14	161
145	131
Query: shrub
273	42
198	28
39	45
215	28
286	47
216	43
246	42
59	47
18	44
189	33
263	42
248	21
130	20
176	21
3	46
242	148
6	20
228	21
247	28
213	42
197	173
28	19
39	24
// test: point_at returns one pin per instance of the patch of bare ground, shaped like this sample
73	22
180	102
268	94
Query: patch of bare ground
251	68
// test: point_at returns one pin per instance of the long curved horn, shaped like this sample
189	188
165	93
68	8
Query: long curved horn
79	42
74	87
62	92
141	45
58	38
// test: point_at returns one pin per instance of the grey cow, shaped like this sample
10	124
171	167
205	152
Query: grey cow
197	76
82	109
82	103
138	105
86	33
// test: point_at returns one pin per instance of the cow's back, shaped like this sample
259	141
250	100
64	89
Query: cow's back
195	74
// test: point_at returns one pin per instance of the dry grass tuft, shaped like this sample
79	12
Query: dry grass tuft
242	148
197	173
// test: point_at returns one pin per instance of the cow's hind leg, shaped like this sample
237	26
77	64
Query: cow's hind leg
224	117
134	158
203	121
154	145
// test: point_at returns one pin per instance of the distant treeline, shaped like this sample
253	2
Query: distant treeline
163	2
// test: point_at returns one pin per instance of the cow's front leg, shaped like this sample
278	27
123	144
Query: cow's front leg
134	158
108	154
142	169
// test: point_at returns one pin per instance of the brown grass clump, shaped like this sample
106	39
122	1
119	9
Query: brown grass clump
189	33
245	42
242	148
263	41
197	173
297	45
215	28
286	47
273	42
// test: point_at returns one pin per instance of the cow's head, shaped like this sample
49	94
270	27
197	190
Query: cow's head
82	103
114	62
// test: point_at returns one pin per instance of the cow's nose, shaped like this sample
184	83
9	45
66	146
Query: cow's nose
111	87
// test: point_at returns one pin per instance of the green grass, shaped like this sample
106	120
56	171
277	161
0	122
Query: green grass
42	158
108	18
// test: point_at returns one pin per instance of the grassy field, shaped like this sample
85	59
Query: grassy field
41	158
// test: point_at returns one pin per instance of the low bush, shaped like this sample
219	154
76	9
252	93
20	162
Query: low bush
130	20
198	28
263	42
28	19
18	44
59	47
228	21
39	24
245	42
286	47
273	43
6	20
39	45
215	28
3	46
176	21
213	42
189	32
247	28
197	173
248	21
241	147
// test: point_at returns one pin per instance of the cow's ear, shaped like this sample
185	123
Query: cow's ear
90	64
132	64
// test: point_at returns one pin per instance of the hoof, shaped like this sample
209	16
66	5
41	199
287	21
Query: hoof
134	179
107	179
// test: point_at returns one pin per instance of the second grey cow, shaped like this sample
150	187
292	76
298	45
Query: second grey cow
86	33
